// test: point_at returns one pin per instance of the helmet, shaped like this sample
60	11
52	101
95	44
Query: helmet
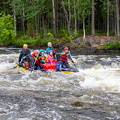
50	51
35	52
41	50
25	45
49	43
65	48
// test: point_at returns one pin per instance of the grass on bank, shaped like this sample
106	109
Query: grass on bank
33	42
112	45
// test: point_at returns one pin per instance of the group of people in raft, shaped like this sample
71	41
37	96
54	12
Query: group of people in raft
44	59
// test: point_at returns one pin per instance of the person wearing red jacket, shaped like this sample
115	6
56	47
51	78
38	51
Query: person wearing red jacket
34	61
37	60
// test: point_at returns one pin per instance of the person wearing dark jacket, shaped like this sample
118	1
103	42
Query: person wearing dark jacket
25	51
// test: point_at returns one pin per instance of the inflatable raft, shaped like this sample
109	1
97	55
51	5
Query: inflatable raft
52	67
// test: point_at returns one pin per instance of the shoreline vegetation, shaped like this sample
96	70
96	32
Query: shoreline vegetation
92	45
80	25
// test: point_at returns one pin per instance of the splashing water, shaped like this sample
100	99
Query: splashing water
91	94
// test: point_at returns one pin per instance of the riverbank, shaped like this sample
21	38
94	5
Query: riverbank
79	46
76	50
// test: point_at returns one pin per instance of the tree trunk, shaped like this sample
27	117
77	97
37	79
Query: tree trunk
83	28
75	17
15	29
117	17
108	7
38	18
54	17
69	23
43	24
68	19
23	21
93	18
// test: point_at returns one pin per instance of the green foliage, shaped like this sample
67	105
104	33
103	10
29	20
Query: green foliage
25	40
44	41
102	32
67	38
50	35
113	45
21	42
7	34
104	7
62	32
83	7
75	33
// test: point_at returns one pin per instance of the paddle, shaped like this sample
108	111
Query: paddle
15	67
74	63
19	63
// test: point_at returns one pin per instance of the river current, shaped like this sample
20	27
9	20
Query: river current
91	94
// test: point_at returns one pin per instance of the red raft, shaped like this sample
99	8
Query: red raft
57	67
49	67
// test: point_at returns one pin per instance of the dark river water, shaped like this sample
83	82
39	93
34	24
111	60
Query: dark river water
91	94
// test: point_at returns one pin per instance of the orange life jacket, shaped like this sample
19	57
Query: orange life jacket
44	58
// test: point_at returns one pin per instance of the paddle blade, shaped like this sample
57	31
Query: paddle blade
15	67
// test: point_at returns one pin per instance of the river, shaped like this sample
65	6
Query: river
91	94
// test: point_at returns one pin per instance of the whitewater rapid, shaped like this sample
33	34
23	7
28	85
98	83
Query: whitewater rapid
92	93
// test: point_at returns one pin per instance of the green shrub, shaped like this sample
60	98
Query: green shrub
7	34
21	42
44	41
75	33
25	37
67	38
112	45
24	40
103	33
62	33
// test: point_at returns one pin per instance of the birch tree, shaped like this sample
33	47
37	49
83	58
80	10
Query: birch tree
117	17
93	18
107	11
15	25
84	11
67	13
54	17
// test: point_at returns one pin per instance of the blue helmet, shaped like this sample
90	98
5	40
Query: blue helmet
50	51
41	50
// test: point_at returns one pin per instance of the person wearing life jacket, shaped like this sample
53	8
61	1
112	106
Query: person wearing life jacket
37	60
25	51
51	59
65	55
34	61
50	47
43	56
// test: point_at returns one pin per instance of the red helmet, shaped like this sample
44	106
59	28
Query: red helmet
35	52
66	48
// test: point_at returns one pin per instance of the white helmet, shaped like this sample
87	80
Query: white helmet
49	43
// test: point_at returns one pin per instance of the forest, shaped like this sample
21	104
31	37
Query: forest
38	21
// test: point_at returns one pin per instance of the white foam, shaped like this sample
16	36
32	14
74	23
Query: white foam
105	79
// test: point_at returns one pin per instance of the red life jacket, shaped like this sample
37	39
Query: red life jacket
64	58
38	60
